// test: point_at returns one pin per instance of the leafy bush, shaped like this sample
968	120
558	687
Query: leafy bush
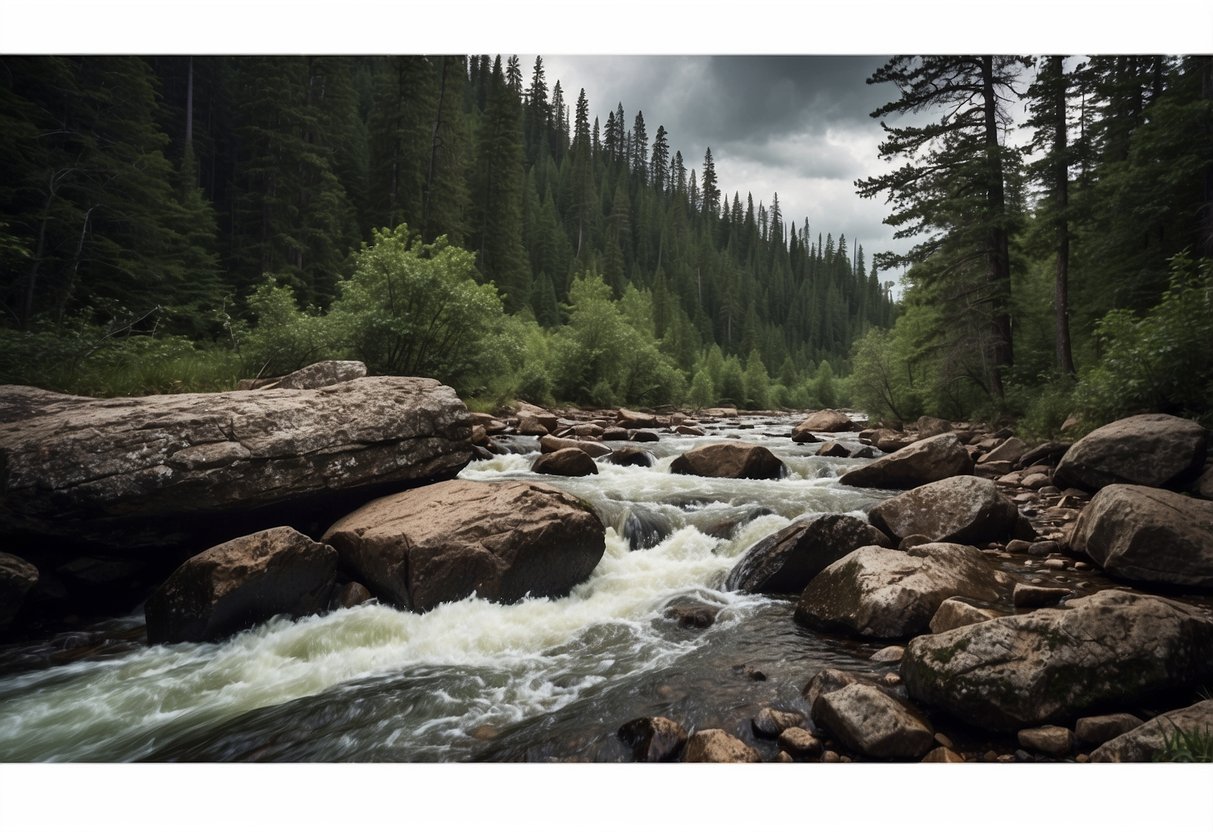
1158	362
284	337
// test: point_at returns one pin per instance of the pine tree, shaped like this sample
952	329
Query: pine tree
708	186
659	166
640	148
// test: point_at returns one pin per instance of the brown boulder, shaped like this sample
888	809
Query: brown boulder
1009	450
918	463
956	612
827	421
834	449
1153	449
1113	648
17	578
320	374
443	542
732	460
1149	742
928	426
654	739
567	462
866	719
550	444
1148	534
1054	740
631	456
243	582
160	471
1096	730
635	419
886	593
961	509
783	563
716	746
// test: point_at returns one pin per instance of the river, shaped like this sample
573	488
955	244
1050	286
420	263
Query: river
543	679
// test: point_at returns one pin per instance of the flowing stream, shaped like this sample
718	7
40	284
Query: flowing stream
544	679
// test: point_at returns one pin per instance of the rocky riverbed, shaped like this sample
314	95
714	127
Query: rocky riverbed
322	574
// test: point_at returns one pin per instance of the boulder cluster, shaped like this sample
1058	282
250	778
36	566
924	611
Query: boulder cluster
1025	593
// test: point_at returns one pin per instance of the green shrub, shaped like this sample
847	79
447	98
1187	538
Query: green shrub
1181	746
284	338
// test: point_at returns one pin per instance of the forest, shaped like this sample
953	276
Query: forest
176	223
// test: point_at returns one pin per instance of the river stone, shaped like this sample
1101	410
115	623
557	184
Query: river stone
960	509
567	462
1144	744
833	448
1096	730
241	583
653	739
320	374
1054	740
17	578
918	463
942	755
1009	450
771	722
351	595
833	678
635	419
178	470
826	421
928	426
799	743
1113	648
885	593
551	444
891	654
733	460
956	612
868	720
716	746
783	563
1153	449
1148	534
632	456
1033	596
500	541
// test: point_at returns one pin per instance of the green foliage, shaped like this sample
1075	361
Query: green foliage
882	381
732	382
1195	746
823	385
757	384
284	337
413	308
1157	362
1042	407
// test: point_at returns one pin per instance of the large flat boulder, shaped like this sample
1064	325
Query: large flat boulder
241	583
919	463
961	509
866	719
783	563
1148	534
825	421
1152	449
732	460
886	593
1151	741
1107	650
444	542
158	471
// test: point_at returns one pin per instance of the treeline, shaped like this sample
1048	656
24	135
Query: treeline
1070	275
165	197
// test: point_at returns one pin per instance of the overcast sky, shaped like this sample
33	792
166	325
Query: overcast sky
798	126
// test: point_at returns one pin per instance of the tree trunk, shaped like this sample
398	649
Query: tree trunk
999	271
1061	186
189	106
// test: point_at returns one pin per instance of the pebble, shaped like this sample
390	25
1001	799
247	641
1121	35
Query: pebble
892	653
1018	546
892	679
800	743
944	740
1043	547
1081	565
830	757
990	757
1053	740
1028	595
783	757
942	755
1082	758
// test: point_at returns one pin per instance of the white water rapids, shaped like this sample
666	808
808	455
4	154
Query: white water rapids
377	683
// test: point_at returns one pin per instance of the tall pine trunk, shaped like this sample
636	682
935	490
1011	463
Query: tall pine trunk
1061	192
999	255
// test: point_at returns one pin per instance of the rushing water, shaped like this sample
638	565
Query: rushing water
471	680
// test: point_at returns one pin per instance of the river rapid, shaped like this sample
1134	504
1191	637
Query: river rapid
543	679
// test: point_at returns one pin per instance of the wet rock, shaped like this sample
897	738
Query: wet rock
1009	450
733	460
653	739
716	746
868	720
17	578
750	672
832	679
884	593
785	562
180	470
771	722
689	430
942	755
1053	740
962	509
955	612
1113	648
799	743
1149	741
1044	547
531	425
320	374
922	462
643	436
550	444
1031	596
533	414
614	435
635	419
892	653
631	456
1019	547
1096	730
568	462
443	542
243	582
1148	534
1153	449
804	436
692	616
353	594
834	449
826	421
